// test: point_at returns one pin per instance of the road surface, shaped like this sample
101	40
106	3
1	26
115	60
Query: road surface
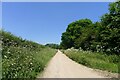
61	66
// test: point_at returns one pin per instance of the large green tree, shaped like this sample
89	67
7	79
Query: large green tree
73	32
111	34
101	36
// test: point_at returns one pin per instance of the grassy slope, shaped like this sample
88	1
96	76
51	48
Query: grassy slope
22	58
95	60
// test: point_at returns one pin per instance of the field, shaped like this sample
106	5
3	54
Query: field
95	60
23	58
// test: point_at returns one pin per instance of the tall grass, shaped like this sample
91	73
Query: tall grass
95	60
23	58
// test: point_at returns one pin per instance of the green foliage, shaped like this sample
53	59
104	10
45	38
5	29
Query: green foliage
111	34
23	58
95	60
73	31
103	36
55	46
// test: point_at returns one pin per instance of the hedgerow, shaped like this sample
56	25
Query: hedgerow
23	58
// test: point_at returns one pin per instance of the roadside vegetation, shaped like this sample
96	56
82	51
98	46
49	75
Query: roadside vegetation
23	58
99	41
95	60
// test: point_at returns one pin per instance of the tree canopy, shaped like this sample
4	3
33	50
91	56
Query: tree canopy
55	46
99	36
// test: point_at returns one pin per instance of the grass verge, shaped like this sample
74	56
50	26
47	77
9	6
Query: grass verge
95	60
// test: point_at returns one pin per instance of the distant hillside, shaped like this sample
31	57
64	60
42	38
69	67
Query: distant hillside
55	46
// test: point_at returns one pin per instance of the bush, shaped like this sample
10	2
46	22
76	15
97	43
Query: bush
23	58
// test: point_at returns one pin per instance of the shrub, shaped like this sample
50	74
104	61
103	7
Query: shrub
23	58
